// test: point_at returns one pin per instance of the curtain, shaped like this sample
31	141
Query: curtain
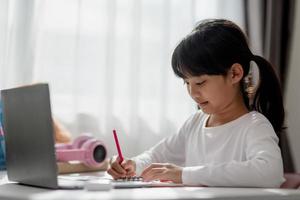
107	62
269	25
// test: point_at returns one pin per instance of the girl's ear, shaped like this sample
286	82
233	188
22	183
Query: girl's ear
236	73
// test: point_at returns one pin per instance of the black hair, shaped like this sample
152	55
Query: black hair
213	47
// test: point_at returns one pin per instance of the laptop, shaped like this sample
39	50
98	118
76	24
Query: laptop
29	138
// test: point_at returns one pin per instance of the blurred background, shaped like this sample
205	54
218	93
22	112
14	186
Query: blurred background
108	61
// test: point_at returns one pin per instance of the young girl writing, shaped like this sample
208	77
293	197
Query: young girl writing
231	140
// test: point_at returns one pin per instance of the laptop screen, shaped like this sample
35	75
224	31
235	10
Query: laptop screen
29	138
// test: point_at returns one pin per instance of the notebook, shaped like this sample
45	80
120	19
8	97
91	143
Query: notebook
129	182
134	182
29	138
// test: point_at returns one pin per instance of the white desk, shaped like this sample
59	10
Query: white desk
15	191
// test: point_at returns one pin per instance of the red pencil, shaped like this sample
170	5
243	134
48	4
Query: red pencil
118	146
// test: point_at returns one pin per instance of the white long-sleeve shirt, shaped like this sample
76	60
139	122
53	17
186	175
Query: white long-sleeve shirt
240	153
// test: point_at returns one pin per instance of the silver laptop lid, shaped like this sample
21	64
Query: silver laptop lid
29	138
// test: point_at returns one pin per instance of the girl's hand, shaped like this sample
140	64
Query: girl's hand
163	172
125	169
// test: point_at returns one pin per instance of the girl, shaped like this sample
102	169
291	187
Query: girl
232	140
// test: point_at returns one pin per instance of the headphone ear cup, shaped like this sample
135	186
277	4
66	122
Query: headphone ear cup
80	140
95	152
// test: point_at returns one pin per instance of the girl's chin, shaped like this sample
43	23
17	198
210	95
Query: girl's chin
206	109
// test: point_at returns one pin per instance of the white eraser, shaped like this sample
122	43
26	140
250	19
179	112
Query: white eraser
98	185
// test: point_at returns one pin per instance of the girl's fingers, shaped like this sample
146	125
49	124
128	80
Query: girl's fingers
154	174
115	164
130	174
129	166
118	168
114	174
150	167
147	169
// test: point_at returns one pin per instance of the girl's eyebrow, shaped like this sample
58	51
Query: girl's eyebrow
199	77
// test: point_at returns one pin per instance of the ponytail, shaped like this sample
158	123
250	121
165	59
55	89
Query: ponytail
268	98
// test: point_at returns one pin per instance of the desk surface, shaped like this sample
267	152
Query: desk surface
16	191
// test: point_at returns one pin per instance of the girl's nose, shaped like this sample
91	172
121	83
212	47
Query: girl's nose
193	91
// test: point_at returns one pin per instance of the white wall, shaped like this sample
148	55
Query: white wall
292	100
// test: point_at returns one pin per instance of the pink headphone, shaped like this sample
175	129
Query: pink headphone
84	148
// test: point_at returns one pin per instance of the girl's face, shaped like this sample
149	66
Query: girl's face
213	93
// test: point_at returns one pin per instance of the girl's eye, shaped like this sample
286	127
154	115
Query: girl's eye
200	83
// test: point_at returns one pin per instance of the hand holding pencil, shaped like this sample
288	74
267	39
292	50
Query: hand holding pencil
120	167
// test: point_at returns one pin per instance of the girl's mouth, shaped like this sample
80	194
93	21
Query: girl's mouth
203	103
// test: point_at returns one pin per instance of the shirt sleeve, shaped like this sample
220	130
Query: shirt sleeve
168	150
262	168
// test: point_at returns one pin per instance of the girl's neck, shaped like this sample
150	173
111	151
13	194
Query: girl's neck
231	113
